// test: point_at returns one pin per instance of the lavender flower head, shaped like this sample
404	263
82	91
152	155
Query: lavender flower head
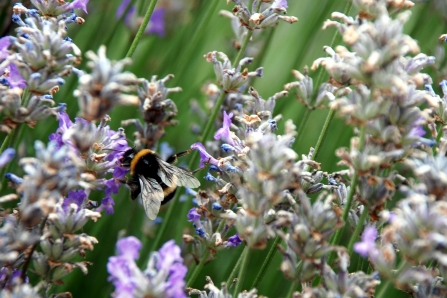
106	87
163	277
100	148
56	8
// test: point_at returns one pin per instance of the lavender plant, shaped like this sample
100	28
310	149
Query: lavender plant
288	206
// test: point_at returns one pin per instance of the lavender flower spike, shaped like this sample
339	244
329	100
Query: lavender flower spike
163	277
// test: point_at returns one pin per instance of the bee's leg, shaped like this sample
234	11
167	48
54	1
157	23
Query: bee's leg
173	158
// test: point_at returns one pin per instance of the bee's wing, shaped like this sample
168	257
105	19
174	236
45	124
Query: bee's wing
151	196
175	176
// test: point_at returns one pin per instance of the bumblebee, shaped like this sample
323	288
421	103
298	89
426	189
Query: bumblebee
155	179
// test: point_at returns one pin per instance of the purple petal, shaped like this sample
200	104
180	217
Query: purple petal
205	157
122	8
234	240
193	216
279	4
79	4
129	247
6	156
157	22
74	197
224	132
15	79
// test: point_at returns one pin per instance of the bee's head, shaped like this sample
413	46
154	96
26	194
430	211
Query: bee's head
127	158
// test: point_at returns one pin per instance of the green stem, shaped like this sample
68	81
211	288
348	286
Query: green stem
198	268
236	267
357	230
438	138
295	283
302	125
323	133
267	262
143	26
13	138
292	288
335	40
382	293
347	208
117	23
242	272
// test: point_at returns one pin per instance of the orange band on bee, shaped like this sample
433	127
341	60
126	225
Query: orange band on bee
137	158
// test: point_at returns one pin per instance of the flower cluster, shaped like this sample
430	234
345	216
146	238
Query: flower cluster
269	17
105	87
157	110
163	276
230	78
99	149
43	54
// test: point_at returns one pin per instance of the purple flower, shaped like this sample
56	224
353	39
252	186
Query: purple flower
122	268
106	204
5	42
6	156
417	131
74	197
129	247
367	246
164	276
194	217
157	23
78	4
171	261
64	124
233	241
224	132
205	157
10	276
279	4
15	79
122	8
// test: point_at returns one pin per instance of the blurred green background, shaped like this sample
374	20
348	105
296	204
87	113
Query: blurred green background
181	53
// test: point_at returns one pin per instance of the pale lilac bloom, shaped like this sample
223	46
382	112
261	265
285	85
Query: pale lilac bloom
170	261
417	131
6	156
5	42
224	132
79	4
205	157
367	246
15	79
164	276
193	216
157	22
279	4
